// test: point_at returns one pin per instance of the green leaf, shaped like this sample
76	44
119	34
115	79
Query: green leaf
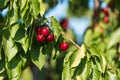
14	68
25	59
77	56
103	64
80	68
28	21
14	29
20	35
94	51
107	1
26	44
9	48
66	71
13	13
97	63
114	38
35	8
66	75
0	41
2	63
3	3
111	75
56	28
96	73
87	36
25	11
22	38
38	55
42	8
85	74
23	3
27	72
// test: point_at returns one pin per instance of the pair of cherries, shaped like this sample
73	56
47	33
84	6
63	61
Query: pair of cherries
106	12
43	34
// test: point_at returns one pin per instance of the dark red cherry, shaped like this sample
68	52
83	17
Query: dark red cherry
50	37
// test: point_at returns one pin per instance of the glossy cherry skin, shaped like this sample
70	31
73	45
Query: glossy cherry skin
106	11
45	31
50	37
38	30
64	23
40	38
64	46
106	19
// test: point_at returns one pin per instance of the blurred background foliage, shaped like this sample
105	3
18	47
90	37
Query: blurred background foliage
106	37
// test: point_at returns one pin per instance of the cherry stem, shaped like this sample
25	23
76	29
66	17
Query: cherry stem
70	39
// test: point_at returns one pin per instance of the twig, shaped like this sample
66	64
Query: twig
70	39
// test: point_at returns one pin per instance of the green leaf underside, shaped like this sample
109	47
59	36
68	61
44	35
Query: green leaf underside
38	55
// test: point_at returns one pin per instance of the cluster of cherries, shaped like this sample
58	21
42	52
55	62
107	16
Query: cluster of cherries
44	34
106	12
110	6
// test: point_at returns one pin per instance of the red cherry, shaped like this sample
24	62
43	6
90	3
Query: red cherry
64	46
50	38
40	38
96	12
64	23
38	30
45	31
106	11
106	19
110	4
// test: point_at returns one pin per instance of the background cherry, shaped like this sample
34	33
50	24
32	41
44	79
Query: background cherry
106	19
64	23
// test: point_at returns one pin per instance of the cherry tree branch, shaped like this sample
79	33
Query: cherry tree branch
70	39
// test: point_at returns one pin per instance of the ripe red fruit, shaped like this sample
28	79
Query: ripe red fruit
64	23
96	12
106	19
64	46
40	38
38	30
106	11
50	37
45	31
110	4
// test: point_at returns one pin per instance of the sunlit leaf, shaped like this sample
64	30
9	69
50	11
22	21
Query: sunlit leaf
77	56
42	7
56	28
95	74
114	38
35	7
3	3
66	71
14	68
10	48
23	3
13	13
38	55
